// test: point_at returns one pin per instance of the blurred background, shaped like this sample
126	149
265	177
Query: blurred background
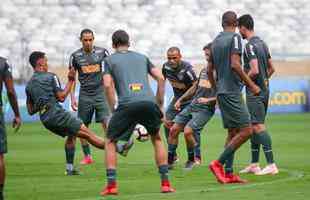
54	26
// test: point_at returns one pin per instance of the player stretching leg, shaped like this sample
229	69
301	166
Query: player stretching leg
128	71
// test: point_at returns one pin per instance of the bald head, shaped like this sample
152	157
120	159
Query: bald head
229	19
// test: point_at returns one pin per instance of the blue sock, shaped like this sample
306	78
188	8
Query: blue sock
198	143
171	152
163	171
111	176
191	154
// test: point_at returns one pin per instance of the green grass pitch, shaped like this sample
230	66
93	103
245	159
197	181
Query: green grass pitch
35	167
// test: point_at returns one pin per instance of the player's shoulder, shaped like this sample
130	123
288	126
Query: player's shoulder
78	52
187	66
101	50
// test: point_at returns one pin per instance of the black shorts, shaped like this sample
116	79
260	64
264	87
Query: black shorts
125	118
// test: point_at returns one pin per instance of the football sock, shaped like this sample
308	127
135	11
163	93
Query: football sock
226	154
163	171
70	157
86	149
255	148
197	147
111	176
1	191
191	154
171	152
229	164
265	140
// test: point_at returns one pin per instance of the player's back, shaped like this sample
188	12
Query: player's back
223	46
41	88
130	71
5	71
257	49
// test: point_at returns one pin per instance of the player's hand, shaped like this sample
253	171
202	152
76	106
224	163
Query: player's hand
202	100
16	123
255	90
71	74
177	105
74	104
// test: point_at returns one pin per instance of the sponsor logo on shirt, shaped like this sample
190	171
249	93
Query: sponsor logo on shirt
90	68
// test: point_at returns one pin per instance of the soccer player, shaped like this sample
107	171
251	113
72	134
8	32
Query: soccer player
6	78
258	65
181	76
196	115
226	60
128	71
87	61
44	93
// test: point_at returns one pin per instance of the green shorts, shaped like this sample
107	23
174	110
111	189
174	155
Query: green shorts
125	118
3	140
258	108
171	112
194	116
233	110
88	105
60	121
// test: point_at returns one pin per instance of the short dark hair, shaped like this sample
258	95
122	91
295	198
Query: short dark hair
120	38
35	56
174	48
229	18
207	46
246	21
86	30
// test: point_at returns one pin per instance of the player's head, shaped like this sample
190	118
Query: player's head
229	19
38	61
245	25
120	38
87	39
174	56
207	49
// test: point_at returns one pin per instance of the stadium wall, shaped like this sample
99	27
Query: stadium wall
288	95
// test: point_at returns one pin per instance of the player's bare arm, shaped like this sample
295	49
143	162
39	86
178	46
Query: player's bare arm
236	66
270	69
253	69
158	76
108	84
62	95
187	95
210	71
74	103
13	101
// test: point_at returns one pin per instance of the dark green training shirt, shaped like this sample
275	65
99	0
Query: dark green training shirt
223	46
257	49
42	88
204	87
89	67
130	71
5	72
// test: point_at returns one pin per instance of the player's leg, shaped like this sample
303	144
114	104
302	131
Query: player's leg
91	137
235	116
173	142
265	140
197	150
86	108
70	151
190	145
3	150
2	174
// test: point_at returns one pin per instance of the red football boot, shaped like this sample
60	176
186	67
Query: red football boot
110	189
233	178
217	169
165	187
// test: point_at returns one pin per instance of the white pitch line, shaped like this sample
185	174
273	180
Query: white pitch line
293	175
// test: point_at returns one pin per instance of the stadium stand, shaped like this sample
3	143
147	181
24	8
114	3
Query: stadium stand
53	25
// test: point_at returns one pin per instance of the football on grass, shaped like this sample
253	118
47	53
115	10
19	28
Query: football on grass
141	133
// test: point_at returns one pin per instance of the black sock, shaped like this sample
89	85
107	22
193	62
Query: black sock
255	148
226	154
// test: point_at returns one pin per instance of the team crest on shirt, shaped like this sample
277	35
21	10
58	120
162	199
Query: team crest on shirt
136	87
181	74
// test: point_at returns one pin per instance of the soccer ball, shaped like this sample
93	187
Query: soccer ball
141	133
